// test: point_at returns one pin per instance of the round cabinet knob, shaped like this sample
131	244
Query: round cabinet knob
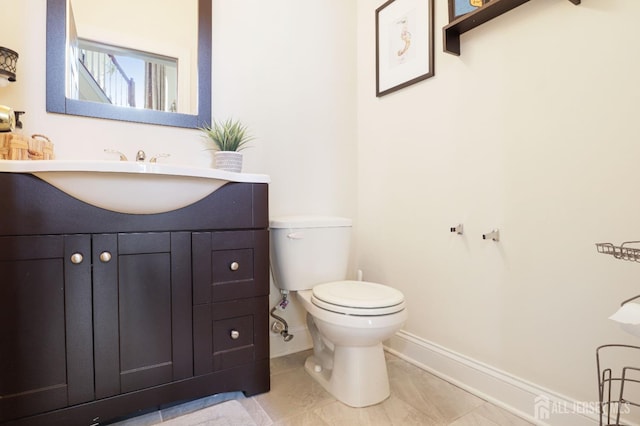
235	334
76	258
234	266
105	256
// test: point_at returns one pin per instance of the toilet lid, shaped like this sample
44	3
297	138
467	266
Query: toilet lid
358	298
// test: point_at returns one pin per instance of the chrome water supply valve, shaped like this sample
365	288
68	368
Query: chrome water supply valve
283	304
280	325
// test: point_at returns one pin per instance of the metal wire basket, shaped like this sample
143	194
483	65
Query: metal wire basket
623	251
618	386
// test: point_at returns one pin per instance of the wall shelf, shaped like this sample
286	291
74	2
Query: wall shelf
494	8
624	251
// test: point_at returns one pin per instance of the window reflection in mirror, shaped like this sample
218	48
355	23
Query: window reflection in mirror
134	54
124	77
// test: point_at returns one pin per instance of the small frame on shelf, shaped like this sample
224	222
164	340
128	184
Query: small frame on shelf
404	44
457	8
461	24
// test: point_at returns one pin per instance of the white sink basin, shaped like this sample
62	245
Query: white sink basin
130	187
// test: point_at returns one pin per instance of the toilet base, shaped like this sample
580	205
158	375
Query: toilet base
359	377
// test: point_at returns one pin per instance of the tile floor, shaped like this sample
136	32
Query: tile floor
417	398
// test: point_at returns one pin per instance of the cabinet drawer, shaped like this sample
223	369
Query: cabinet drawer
233	333
232	266
217	347
228	265
248	318
233	342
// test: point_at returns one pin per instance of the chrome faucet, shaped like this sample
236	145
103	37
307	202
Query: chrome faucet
155	158
113	151
140	156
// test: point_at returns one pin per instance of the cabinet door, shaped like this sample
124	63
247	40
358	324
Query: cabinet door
142	303
46	351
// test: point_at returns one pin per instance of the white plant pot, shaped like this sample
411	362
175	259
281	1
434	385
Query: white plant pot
228	160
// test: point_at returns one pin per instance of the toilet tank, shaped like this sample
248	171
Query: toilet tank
309	250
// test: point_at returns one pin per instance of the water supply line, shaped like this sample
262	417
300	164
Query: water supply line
280	326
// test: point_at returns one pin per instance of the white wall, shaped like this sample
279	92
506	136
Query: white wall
285	68
532	130
289	68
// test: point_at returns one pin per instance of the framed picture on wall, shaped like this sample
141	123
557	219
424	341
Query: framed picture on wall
404	44
457	8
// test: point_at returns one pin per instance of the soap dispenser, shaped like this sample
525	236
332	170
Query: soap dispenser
7	119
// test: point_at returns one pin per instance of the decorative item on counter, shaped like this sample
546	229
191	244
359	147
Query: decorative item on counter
14	146
227	138
40	148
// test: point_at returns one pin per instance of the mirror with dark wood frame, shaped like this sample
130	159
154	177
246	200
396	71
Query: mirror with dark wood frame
59	102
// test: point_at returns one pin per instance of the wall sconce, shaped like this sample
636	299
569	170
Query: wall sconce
8	64
9	119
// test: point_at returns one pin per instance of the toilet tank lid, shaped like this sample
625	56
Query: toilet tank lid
298	222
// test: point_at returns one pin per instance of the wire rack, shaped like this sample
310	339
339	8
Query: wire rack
624	251
616	386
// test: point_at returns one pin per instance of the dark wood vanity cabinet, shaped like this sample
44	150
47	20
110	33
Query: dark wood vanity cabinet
229	331
141	310
45	324
104	315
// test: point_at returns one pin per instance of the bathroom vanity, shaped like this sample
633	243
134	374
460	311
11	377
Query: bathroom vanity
106	315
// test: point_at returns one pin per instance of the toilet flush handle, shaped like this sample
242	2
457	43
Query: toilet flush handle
295	235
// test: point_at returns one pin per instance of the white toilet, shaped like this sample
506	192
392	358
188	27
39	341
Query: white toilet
348	320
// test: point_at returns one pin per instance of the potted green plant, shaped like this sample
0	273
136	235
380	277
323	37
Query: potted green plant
227	139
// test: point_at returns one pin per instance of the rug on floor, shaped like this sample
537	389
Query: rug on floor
229	413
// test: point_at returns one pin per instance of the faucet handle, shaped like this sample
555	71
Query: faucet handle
155	158
113	151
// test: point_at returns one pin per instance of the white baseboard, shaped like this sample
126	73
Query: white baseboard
520	397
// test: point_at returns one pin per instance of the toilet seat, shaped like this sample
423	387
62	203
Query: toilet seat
357	298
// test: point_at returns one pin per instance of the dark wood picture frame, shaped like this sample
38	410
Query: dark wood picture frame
404	44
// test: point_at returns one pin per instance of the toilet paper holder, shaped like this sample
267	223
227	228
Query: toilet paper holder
493	235
458	229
